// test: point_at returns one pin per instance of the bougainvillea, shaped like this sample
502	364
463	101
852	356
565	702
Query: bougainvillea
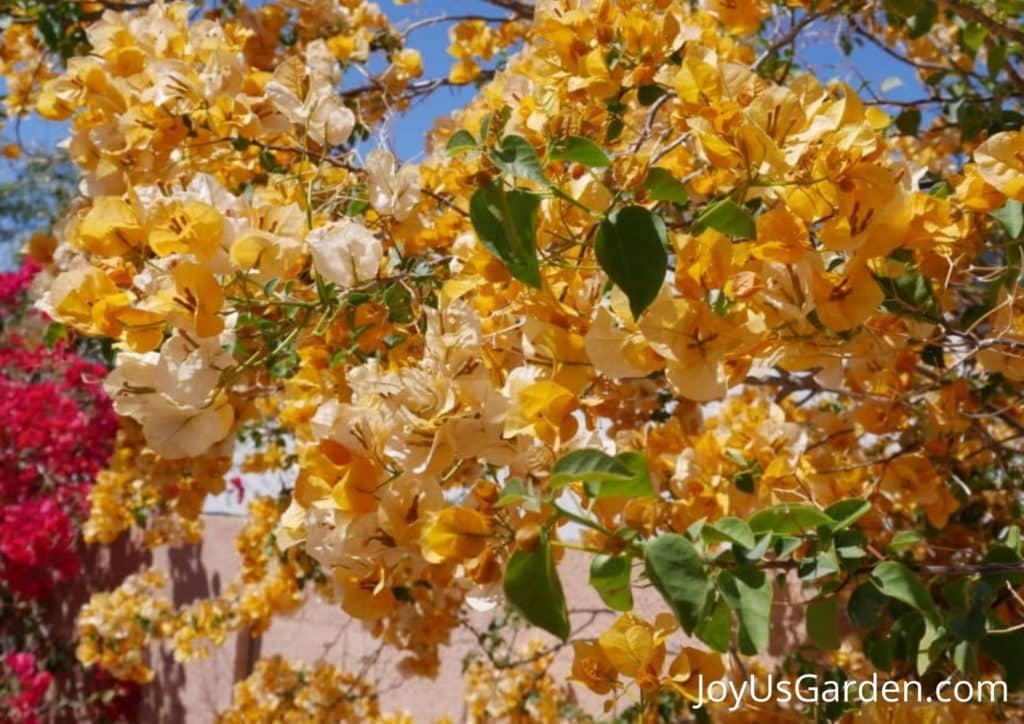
57	434
657	294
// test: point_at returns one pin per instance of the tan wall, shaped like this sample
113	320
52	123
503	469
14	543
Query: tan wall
196	691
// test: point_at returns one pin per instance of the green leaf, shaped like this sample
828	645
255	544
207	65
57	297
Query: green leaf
55	332
398	300
638	485
847	512
516	490
749	473
897	581
604	475
1011	216
930	646
1011	538
269	162
823	623
909	121
728	217
630	247
903	8
580	150
996	58
504	222
879	651
531	585
730	529
909	295
970	626
789	518
972	118
609	575
675	569
749	593
905	539
1005	650
716	629
518	158
922	20
663	186
972	36
649	94
460	142
588	464
865	606
965	657
615	128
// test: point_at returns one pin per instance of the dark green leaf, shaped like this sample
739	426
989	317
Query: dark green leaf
931	355
921	21
675	569
823	623
909	121
269	162
531	585
903	8
1005	650
879	650
789	518
847	512
996	59
971	117
518	158
897	581
663	186
609	575
630	247
865	606
460	142
716	629
728	217
504	222
637	485
909	295
970	626
749	593
730	529
588	464
580	150
648	94
398	300
615	128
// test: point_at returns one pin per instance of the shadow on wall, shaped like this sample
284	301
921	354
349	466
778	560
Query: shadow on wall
199	690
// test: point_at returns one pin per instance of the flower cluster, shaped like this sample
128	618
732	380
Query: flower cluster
281	690
31	686
116	628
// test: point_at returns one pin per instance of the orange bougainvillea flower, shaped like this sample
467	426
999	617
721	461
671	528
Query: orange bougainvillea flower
454	534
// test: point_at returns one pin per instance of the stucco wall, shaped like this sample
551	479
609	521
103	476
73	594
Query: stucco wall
196	691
